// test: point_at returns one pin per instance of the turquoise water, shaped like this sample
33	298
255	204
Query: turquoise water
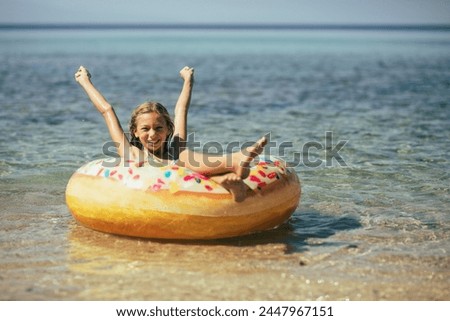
386	94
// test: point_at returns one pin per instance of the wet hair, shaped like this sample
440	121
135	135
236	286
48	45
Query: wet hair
145	108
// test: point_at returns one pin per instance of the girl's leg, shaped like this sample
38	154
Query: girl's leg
213	165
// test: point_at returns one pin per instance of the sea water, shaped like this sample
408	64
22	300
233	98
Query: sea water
363	115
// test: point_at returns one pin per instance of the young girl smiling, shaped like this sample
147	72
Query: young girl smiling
157	139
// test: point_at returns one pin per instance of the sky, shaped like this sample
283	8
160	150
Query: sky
227	11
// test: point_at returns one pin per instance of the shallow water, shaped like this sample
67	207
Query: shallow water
373	224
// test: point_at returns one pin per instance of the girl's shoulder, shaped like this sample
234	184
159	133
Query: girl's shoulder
136	154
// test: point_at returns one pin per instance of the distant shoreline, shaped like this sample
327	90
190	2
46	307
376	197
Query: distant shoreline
212	26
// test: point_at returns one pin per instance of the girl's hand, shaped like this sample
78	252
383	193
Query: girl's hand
82	75
187	73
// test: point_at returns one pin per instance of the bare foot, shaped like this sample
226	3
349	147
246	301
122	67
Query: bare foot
234	184
242	159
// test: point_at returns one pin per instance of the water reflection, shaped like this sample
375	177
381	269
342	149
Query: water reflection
96	252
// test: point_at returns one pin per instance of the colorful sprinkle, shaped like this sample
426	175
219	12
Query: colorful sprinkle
156	187
201	176
272	175
173	187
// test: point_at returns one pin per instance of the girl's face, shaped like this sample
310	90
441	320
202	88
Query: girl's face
152	131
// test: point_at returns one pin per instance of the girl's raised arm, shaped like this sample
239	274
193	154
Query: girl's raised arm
83	77
182	107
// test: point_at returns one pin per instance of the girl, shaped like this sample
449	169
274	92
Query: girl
156	138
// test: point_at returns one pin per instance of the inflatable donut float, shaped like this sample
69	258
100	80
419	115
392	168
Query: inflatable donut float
172	202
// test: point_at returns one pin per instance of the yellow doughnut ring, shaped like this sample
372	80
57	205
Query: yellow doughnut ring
172	202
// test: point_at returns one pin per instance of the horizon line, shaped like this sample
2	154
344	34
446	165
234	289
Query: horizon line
229	26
